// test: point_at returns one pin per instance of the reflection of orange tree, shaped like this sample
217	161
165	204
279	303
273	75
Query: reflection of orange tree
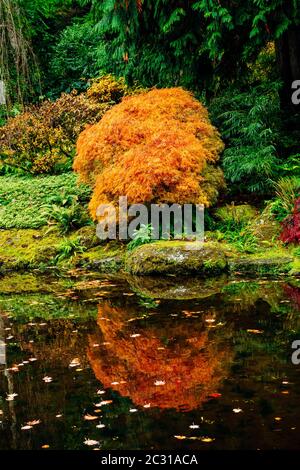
168	365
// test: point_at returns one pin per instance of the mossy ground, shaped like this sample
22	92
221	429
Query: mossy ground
26	247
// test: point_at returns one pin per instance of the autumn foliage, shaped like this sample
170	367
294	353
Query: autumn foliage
291	226
43	137
154	148
137	363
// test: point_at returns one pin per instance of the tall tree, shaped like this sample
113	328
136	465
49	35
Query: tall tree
18	69
227	32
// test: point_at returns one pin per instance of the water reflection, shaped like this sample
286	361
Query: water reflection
174	363
134	367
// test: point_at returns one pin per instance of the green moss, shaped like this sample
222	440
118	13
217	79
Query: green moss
177	257
104	258
24	249
25	283
295	267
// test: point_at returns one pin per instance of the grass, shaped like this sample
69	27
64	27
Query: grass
23	200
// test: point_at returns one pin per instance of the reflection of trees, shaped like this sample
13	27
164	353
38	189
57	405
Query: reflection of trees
168	364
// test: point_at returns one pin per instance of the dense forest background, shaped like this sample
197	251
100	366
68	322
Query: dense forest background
239	58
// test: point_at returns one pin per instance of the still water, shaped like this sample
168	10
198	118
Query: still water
107	363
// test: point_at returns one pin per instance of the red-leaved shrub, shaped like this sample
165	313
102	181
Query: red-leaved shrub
291	226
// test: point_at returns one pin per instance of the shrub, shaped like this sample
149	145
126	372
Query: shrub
42	139
142	236
152	147
106	89
291	226
67	218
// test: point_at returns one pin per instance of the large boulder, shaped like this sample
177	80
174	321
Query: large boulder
177	257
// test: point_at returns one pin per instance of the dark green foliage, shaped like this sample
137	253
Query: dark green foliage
249	123
74	59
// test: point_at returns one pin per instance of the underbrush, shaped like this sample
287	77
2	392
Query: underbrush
25	202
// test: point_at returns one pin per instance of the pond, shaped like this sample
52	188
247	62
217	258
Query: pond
94	362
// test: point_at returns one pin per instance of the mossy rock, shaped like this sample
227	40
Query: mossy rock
260	266
177	257
88	237
295	267
107	258
265	230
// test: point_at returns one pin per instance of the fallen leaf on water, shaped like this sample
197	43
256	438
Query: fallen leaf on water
34	422
194	426
159	382
75	362
90	417
207	439
105	402
11	396
237	410
47	379
90	442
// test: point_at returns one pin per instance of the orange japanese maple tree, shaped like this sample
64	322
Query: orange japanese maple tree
153	147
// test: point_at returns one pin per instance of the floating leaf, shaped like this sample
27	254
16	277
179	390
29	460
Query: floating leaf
207	439
158	383
47	379
91	442
34	422
237	410
90	417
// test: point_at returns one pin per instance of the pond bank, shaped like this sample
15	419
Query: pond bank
43	249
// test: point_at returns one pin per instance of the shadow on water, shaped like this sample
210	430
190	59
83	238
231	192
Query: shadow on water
138	363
